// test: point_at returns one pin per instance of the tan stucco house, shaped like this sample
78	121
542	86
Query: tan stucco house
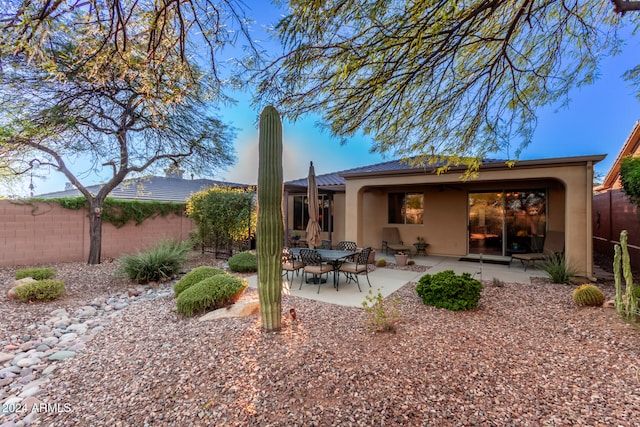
504	210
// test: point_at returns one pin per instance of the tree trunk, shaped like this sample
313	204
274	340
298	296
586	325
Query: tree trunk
95	231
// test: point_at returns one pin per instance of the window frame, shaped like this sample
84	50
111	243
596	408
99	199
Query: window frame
394	211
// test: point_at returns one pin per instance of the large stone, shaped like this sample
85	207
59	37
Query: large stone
24	281
28	361
239	309
4	357
62	355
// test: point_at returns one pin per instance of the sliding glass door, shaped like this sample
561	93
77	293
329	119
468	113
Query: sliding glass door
506	222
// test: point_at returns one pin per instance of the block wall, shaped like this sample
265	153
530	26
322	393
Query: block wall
43	232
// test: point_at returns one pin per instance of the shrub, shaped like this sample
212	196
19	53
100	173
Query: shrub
243	262
157	264
588	294
41	290
558	269
446	290
194	276
41	273
497	282
383	315
211	293
381	262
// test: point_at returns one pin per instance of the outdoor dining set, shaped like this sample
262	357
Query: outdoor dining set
346	259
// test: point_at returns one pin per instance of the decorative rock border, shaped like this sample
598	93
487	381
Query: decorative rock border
28	362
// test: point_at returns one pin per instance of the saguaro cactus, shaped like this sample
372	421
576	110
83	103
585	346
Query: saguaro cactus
270	228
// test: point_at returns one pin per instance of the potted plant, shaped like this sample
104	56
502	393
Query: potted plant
401	259
421	245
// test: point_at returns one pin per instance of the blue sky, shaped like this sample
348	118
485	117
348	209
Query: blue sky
597	121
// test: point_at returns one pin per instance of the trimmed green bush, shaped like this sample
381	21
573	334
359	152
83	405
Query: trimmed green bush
381	262
588	294
157	264
211	293
558	269
194	276
446	290
41	290
40	273
243	262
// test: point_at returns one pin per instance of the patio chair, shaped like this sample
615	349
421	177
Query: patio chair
359	266
346	245
553	244
313	264
290	265
391	241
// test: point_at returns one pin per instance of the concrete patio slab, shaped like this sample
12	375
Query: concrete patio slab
388	280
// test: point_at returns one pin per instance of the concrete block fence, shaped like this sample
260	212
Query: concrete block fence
34	233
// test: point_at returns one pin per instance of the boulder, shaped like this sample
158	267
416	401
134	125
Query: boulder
11	293
239	309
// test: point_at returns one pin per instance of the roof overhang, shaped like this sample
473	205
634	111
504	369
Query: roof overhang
530	164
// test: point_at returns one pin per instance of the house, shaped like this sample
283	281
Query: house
504	210
631	147
612	210
169	188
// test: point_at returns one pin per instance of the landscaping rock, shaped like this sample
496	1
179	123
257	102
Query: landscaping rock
239	309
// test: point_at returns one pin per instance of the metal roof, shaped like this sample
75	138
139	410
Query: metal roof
168	189
335	181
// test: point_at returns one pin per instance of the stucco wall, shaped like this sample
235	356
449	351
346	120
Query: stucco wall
39	233
446	206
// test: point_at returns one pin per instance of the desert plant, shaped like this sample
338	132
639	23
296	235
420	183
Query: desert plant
40	273
41	290
381	262
243	262
626	303
588	294
194	276
270	227
211	293
497	282
558	269
446	290
383	315
156	264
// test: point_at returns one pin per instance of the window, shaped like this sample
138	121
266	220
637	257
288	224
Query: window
406	208
301	212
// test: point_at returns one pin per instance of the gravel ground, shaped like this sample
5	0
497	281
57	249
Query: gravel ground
526	356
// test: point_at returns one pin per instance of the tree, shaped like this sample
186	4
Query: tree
118	82
630	178
224	216
444	80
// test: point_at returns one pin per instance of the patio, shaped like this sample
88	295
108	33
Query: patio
389	280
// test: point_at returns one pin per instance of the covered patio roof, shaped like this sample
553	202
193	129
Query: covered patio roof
336	181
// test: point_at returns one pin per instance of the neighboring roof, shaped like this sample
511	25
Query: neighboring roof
631	147
151	188
335	181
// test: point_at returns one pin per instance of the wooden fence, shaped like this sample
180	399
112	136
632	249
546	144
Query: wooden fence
34	233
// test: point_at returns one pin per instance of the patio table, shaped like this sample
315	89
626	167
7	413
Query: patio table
334	257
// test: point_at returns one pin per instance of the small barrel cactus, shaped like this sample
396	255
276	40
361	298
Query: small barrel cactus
588	294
